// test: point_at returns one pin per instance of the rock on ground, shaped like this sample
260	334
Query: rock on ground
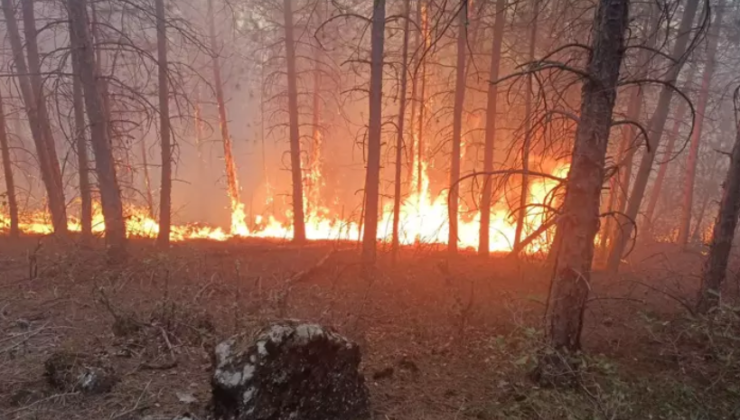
73	372
292	370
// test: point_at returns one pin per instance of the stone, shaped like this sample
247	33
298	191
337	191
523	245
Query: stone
292	370
76	372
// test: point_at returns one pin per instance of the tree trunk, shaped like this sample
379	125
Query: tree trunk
696	235
491	109
576	231
165	197
462	42
8	171
715	266
684	227
655	131
313	178
411	143
30	87
399	135
372	177
523	198
81	145
672	136
299	224
421	7
110	194
147	178
238	227
621	182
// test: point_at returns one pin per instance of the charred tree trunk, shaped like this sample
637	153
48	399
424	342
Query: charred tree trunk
313	179
655	132
8	172
491	108
30	86
299	223
619	193
523	198
78	102
110	194
576	231
237	207
462	43
372	177
672	136
147	179
165	197
715	266
684	227
411	143
399	135
422	11
696	235
57	203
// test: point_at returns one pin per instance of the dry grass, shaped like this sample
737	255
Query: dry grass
442	341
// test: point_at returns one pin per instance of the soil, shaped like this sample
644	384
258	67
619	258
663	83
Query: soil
427	327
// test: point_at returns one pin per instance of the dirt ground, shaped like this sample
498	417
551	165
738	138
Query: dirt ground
439	340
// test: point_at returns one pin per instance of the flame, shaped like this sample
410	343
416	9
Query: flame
423	220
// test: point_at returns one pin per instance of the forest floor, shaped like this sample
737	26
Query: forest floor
439	340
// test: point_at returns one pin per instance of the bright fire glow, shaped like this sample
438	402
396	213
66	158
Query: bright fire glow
423	220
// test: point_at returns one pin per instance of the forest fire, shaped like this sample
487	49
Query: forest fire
423	220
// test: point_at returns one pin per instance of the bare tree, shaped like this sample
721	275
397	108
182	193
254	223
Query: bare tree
29	80
528	116
299	223
78	104
165	197
110	194
462	42
8	172
491	108
684	226
576	231
679	115
372	176
715	266
399	134
655	132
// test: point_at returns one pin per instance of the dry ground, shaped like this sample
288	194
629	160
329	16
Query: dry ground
440	341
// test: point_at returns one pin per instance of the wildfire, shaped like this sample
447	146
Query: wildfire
423	220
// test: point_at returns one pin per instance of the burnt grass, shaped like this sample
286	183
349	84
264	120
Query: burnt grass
440	340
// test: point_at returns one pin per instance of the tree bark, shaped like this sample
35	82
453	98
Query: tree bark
462	43
314	180
715	266
672	136
30	87
165	197
577	229
696	235
78	102
8	171
421	8
524	196
237	208
110	194
620	186
684	227
655	132
372	177
299	223
399	136
147	179
491	109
